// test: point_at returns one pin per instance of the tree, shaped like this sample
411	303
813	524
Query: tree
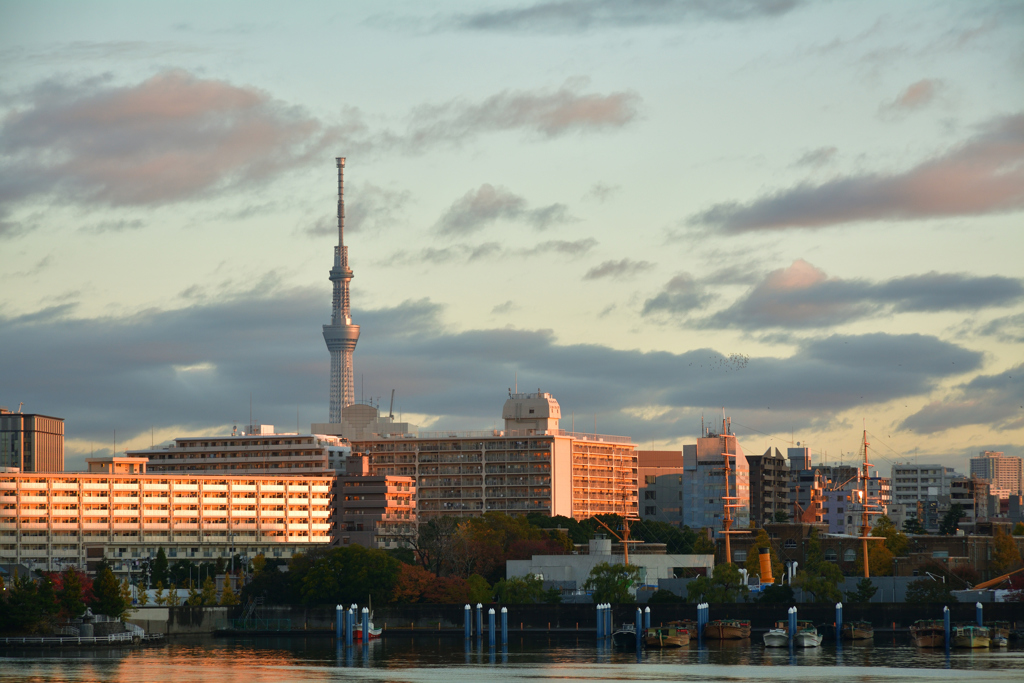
777	593
895	540
159	597
27	606
753	563
173	599
912	526
107	596
258	563
72	589
143	597
412	583
519	590
350	574
928	590
180	572
479	589
819	577
703	545
1018	529
610	582
724	585
1005	556
208	593
159	567
664	597
195	596
865	591
950	520
227	595
781	517
880	560
125	592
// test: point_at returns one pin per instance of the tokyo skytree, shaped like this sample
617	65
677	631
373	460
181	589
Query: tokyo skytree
341	335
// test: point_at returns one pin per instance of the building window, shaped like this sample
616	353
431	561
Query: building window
739	556
850	555
650	495
650	510
790	544
651	479
830	555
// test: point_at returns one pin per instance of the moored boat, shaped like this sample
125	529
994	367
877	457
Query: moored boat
970	637
664	637
625	635
727	629
778	636
858	630
928	633
357	632
1000	633
806	635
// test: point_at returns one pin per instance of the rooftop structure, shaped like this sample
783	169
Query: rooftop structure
31	442
341	335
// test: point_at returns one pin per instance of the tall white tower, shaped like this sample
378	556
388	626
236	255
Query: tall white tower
341	335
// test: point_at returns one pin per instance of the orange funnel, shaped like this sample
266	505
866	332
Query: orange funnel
766	565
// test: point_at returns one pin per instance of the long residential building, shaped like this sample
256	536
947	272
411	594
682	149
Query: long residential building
530	466
120	512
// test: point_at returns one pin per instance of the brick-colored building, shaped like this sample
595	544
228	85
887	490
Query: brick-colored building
31	442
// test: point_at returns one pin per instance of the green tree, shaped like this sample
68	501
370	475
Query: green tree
724	585
519	590
951	520
753	563
479	589
71	596
159	597
227	595
880	560
195	596
665	597
552	596
208	593
928	590
781	516
158	568
819	577
350	574
26	606
258	563
173	599
865	591
912	526
777	593
703	545
1018	529
107	595
610	582
895	540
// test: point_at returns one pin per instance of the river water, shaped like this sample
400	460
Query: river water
529	659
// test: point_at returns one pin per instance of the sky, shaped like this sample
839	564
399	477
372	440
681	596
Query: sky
806	214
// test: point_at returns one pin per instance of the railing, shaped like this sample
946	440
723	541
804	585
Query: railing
69	640
519	434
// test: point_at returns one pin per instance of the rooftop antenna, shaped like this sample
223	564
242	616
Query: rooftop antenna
250	411
517	381
19	407
391	410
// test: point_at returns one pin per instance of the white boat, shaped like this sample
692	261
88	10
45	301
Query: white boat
778	636
807	635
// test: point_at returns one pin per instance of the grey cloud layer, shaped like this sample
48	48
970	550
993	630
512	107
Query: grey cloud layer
681	295
195	367
996	401
481	207
579	15
617	270
983	175
469	253
371	209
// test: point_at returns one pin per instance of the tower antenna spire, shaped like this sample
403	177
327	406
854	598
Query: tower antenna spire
341	335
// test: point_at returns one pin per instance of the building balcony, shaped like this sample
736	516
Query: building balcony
243	513
124	513
33	499
95	525
124	525
319	514
215	500
156	525
298	513
185	513
298	527
213	526
185	526
155	513
61	499
8	513
215	487
64	525
272	526
244	526
321	527
33	513
156	500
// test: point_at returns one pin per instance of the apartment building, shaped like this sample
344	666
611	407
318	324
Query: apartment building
912	482
706	489
258	452
769	486
374	511
1005	474
121	512
529	466
31	442
660	485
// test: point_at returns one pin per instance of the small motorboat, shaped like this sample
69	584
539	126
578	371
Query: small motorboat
727	629
858	630
928	633
625	635
807	635
664	637
357	631
778	636
1000	633
971	637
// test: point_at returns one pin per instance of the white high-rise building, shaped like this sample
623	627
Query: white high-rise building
911	483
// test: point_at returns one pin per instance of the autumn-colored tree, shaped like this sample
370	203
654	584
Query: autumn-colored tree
159	597
412	584
228	596
895	540
1005	555
879	560
208	593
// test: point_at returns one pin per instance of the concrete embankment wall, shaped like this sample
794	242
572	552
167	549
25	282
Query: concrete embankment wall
413	618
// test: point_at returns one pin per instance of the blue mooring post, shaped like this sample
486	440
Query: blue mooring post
639	628
839	623
467	622
337	623
504	625
647	617
479	620
490	627
366	626
945	625
792	626
609	620
978	611
349	621
600	620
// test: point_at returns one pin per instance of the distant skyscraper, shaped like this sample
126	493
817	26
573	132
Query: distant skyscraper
341	335
1005	473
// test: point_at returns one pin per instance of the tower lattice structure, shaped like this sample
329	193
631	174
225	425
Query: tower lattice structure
341	335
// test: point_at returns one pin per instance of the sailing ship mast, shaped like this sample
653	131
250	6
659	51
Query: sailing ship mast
728	502
866	511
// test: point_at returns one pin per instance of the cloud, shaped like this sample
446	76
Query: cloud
570	248
193	368
803	296
996	401
681	295
372	209
1007	328
581	15
507	307
493	250
169	138
916	95
601	192
617	270
817	157
983	175
479	208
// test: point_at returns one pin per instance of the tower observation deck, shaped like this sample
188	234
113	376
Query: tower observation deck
341	335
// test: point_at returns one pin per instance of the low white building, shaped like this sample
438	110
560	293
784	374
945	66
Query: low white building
576	568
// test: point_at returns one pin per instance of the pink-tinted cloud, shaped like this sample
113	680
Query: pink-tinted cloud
983	175
171	137
915	96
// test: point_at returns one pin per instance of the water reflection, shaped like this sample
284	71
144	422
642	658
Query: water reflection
438	659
